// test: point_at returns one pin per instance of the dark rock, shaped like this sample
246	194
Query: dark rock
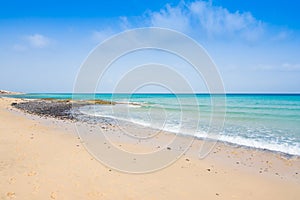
44	108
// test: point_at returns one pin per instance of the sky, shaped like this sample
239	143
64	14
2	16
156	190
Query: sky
255	44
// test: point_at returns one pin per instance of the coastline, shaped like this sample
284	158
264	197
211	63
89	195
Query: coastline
260	121
32	167
62	109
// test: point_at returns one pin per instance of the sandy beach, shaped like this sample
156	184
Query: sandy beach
43	158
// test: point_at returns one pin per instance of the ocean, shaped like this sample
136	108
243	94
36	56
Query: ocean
264	121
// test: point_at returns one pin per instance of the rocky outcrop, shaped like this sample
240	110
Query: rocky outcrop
8	92
55	109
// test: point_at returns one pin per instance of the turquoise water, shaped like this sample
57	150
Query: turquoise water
263	121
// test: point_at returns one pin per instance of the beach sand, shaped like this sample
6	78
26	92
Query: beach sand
45	159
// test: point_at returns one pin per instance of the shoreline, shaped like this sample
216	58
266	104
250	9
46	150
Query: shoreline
62	109
112	122
227	172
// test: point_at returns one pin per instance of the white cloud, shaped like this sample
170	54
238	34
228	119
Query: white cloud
32	41
213	21
38	40
200	19
125	23
171	17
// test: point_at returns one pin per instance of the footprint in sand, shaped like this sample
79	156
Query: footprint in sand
11	195
53	195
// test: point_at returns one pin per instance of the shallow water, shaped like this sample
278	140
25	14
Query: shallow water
256	120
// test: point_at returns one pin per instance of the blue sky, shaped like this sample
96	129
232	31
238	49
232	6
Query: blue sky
255	44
